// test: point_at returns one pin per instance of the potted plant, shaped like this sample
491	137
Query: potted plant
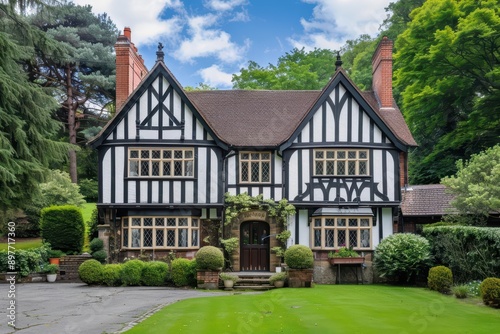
54	256
278	279
300	262
345	255
229	279
51	271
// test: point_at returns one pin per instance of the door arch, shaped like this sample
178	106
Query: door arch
254	246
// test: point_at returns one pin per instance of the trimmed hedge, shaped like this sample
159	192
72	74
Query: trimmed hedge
131	272
96	245
90	272
440	279
490	292
110	274
63	227
183	272
299	257
472	253
209	258
154	273
25	261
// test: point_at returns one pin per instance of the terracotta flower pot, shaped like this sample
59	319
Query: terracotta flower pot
54	260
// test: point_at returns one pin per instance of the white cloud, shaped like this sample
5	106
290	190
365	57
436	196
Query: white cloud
144	21
224	5
206	42
215	77
334	21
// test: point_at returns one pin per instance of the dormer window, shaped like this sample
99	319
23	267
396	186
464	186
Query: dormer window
255	167
335	162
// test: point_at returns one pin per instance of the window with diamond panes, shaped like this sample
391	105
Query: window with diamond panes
161	232
161	162
335	232
255	167
340	162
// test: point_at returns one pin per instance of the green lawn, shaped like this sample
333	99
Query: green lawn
87	209
22	243
326	309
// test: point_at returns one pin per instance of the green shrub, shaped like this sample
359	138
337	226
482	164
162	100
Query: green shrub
131	272
92	229
490	292
89	189
100	256
154	273
440	279
25	261
278	277
460	291
209	258
183	272
228	277
401	257
63	228
90	272
55	253
111	274
473	288
96	245
299	257
472	253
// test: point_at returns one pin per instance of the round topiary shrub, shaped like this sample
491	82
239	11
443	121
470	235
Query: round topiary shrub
440	279
111	274
63	228
100	256
401	257
183	272
490	292
131	272
154	273
299	257
96	245
209	258
90	272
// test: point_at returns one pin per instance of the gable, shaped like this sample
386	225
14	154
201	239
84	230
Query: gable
341	115
158	110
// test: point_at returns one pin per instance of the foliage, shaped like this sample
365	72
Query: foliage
27	145
299	257
131	272
230	245
58	190
89	189
357	60
51	269
96	245
343	252
100	255
229	277
278	277
154	273
55	253
92	228
63	228
90	272
473	288
476	186
296	70
183	271
110	274
440	279
401	257
209	258
470	252
490	291
460	291
25	261
447	61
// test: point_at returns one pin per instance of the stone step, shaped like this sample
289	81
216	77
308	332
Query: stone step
254	287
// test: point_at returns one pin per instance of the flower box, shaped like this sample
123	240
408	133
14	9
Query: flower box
347	260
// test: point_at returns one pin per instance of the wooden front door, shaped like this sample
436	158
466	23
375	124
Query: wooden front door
254	254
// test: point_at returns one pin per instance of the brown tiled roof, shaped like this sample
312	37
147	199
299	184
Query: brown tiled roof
426	200
254	118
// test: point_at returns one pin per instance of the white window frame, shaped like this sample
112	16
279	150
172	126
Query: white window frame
134	232
249	159
342	226
162	157
335	158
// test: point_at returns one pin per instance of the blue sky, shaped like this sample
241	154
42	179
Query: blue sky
209	40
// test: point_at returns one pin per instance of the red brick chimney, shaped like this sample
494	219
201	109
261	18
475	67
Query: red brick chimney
382	73
130	68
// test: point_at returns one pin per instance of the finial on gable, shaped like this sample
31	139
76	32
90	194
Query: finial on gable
160	54
338	63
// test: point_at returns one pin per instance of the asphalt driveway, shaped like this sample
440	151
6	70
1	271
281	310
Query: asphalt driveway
77	308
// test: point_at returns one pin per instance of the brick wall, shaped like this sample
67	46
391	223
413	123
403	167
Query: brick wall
382	73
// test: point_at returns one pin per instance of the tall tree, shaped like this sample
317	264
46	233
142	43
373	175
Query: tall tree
298	70
27	129
448	69
82	78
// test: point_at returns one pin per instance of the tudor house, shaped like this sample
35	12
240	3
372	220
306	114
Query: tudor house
167	158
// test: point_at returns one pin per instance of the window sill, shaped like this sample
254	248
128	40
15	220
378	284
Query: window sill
341	176
175	178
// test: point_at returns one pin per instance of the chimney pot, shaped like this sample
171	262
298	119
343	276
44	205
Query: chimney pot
128	33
